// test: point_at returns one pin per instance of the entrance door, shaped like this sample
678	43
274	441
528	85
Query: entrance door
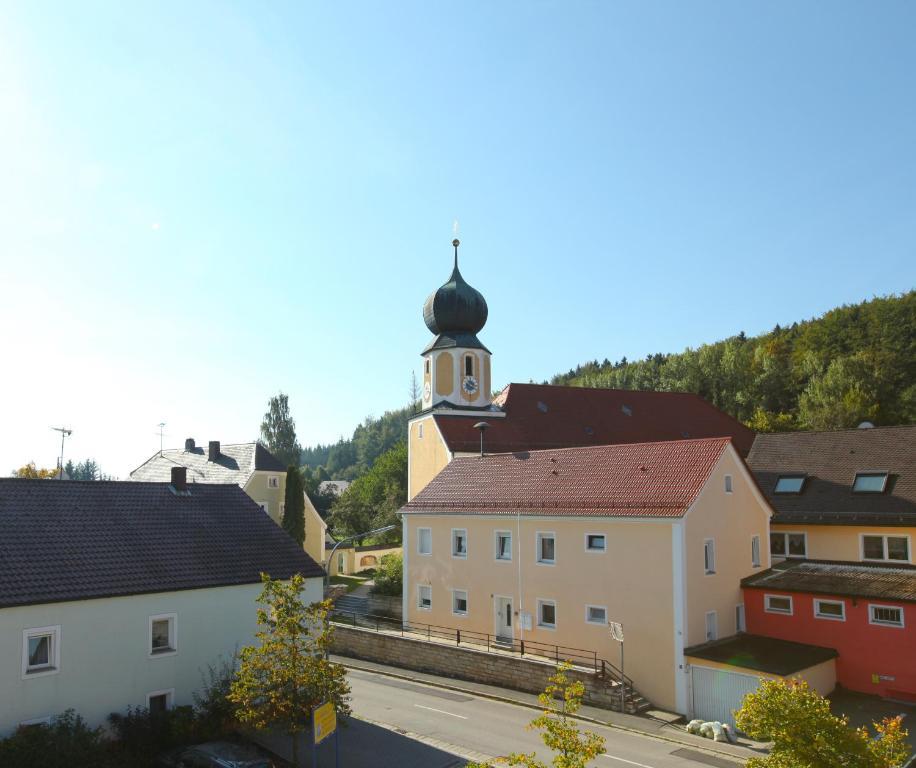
717	693
503	617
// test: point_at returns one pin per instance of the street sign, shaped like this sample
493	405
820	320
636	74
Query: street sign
325	720
616	630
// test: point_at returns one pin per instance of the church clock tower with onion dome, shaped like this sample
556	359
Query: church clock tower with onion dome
456	366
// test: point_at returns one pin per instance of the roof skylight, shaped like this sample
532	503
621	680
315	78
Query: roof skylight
869	482
789	484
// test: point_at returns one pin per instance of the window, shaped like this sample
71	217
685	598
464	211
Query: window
709	556
789	484
163	634
788	544
546	548
420	431
263	506
740	626
424	541
596	614
886	615
869	482
273	481
424	597
159	702
595	542
547	614
459	542
503	545
426	368
777	604
881	547
282	509
468	365
712	626
40	651
459	602
755	551
728	483
830	609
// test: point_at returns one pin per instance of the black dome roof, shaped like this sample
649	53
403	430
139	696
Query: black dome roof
456	307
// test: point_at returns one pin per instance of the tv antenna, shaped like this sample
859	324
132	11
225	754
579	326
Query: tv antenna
161	433
64	434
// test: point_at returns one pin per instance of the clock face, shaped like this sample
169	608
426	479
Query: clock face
469	385
426	391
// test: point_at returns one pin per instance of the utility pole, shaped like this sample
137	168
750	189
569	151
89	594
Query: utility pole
64	434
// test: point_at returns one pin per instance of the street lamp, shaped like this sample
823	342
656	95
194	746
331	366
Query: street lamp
327	568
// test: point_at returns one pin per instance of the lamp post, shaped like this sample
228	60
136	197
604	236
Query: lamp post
327	570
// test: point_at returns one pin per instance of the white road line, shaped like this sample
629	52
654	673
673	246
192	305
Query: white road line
450	714
630	762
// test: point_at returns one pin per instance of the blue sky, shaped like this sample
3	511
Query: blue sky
204	203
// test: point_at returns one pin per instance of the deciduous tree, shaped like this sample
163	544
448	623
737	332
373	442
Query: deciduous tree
278	431
34	473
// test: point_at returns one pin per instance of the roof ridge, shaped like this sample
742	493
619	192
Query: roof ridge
725	438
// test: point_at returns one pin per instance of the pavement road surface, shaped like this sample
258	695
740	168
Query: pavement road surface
403	724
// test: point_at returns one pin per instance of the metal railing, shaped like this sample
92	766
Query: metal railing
577	656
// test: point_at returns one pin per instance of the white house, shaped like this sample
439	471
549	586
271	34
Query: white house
118	594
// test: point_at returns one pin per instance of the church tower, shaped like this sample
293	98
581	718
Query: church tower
456	366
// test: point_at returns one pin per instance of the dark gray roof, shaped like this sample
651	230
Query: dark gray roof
234	464
830	460
880	582
765	654
80	540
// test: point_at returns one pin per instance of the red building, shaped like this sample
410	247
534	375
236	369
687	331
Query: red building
866	612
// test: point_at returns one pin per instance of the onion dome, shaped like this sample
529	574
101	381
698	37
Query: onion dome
455	309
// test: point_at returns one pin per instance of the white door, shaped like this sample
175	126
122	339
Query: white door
503	607
718	693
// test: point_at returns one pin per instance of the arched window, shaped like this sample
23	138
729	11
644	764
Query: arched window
468	365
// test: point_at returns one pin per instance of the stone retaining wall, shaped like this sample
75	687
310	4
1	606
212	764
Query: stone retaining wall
385	605
517	673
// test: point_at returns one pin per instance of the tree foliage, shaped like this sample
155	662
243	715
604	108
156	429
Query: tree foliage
373	499
294	509
287	674
278	431
806	734
85	470
572	748
389	578
30	471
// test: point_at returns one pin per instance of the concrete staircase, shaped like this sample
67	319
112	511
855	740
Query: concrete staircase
351	604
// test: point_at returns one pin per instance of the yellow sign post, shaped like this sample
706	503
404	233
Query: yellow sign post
325	718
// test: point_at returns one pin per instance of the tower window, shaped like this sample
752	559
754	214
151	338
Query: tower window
468	366
426	368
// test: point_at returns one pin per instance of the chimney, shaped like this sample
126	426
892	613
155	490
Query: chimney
213	452
180	479
189	444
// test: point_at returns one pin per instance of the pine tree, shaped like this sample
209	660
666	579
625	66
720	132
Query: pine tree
294	513
278	431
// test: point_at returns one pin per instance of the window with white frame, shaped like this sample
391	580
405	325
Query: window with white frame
424	541
503	545
158	702
740	625
460	602
282	509
712	625
273	481
830	609
163	634
885	615
777	604
264	506
547	614
459	542
40	651
424	597
728	483
755	551
595	542
546	548
595	614
882	547
788	544
709	556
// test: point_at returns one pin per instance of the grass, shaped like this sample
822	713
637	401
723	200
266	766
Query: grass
352	582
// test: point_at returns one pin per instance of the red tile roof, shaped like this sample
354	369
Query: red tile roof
635	480
541	416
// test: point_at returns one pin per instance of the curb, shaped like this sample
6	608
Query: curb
349	664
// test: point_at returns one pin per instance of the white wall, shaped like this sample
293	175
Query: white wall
105	665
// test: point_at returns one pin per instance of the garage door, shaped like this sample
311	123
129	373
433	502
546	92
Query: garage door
718	693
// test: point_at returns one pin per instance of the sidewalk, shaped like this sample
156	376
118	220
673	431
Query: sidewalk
655	724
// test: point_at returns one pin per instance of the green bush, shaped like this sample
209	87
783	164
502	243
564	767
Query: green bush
389	579
141	735
67	743
214	714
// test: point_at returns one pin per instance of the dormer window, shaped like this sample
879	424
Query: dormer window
869	482
790	484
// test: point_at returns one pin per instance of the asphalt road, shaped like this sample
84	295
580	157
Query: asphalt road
450	721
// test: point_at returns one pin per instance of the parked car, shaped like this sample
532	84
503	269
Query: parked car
214	754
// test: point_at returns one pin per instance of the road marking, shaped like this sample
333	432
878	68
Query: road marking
450	714
622	760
